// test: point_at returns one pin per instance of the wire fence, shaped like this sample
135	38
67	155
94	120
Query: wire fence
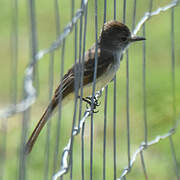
66	159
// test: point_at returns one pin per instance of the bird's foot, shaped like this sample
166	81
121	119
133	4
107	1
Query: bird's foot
91	103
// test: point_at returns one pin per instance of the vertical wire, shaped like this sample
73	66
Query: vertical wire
48	130
72	9
81	85
174	158
57	17
56	150
34	43
134	15
3	147
82	150
13	88
114	9
33	40
75	84
124	11
81	94
104	142
105	111
144	89
59	110
144	80
22	159
173	93
127	92
127	108
26	114
14	50
105	10
114	112
114	128
81	59
76	89
143	165
145	95
173	65
150	5
93	92
133	26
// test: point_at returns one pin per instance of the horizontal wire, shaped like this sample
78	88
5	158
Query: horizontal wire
144	146
66	152
31	92
147	15
64	160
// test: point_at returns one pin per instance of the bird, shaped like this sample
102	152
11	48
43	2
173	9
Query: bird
114	38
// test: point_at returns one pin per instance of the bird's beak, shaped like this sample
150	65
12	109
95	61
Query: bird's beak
137	38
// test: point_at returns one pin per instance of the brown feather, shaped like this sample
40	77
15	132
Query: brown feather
68	84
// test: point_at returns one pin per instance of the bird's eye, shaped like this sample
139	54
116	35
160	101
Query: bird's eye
123	38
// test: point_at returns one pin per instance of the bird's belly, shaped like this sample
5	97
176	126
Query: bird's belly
101	82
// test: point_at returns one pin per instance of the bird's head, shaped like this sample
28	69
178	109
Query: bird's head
116	36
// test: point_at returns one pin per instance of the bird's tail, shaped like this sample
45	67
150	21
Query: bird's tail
39	126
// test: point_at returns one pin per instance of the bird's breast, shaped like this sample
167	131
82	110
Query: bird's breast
106	77
102	80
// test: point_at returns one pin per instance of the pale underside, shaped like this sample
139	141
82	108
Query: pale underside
101	82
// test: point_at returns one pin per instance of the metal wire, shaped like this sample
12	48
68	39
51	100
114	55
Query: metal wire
81	84
14	49
105	127
149	14
82	151
93	92
28	77
114	113
146	144
143	165
174	157
105	111
26	113
34	42
127	93
30	96
59	111
144	88
76	131
76	84
88	112
134	15
47	146
13	88
173	64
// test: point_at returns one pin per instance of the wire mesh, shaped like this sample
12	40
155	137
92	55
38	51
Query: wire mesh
64	162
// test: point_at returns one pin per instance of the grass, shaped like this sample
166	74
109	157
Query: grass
159	93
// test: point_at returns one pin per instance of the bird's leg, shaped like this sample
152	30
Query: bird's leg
89	101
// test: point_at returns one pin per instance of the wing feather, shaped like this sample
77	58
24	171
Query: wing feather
67	85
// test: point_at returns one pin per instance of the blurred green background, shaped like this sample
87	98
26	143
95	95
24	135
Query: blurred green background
160	118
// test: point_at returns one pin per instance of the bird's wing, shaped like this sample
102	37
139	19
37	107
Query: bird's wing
67	85
105	60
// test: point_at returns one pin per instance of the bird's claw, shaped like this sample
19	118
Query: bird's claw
89	101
